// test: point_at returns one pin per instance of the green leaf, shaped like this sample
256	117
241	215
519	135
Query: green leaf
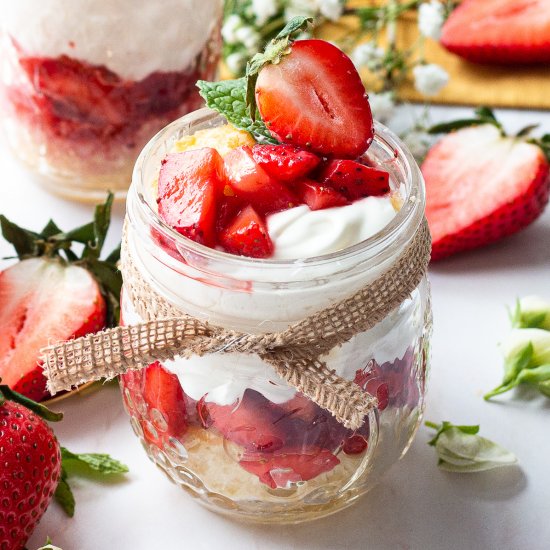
484	115
109	279
50	230
531	312
544	388
64	496
98	462
444	426
228	98
7	394
534	375
461	449
23	240
49	545
83	234
100	227
526	130
518	361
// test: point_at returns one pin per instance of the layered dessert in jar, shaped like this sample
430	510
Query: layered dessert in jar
85	84
254	228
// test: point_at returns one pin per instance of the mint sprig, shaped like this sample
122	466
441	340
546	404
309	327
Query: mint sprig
86	464
461	449
54	243
228	98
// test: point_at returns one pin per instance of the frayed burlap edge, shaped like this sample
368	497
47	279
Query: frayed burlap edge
293	353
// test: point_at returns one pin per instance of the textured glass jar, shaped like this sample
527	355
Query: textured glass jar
84	84
225	427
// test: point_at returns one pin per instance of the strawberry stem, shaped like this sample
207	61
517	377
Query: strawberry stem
7	394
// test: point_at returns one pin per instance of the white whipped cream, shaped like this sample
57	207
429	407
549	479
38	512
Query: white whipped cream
132	38
302	233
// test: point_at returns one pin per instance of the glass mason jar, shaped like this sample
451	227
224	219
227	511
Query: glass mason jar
84	84
223	426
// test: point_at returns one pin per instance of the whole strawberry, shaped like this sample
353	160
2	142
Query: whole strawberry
53	294
30	459
482	185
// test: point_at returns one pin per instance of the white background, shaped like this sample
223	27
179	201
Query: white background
416	506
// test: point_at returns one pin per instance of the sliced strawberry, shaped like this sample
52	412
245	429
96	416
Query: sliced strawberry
162	391
481	187
355	180
499	31
314	98
247	235
250	423
254	185
285	162
318	196
43	301
189	186
280	469
355	445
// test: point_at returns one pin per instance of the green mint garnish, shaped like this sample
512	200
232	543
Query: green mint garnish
461	449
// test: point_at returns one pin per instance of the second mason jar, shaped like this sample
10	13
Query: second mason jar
84	84
225	427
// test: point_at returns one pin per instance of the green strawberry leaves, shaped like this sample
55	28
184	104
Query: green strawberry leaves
228	98
83	464
52	242
274	51
484	115
462	449
7	394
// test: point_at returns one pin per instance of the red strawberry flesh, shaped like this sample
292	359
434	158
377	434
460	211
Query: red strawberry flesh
43	301
354	180
285	162
189	186
481	187
318	196
499	31
251	183
314	99
247	235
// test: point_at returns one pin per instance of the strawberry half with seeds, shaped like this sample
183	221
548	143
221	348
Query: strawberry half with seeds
499	31
482	186
354	180
314	98
318	196
53	295
285	162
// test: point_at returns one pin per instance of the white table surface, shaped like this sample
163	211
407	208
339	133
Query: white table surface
416	506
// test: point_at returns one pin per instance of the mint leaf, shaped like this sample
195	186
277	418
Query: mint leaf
461	449
228	98
99	462
64	496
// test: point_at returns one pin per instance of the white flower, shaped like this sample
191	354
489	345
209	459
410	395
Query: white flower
232	23
300	7
249	38
418	143
366	54
430	79
382	105
263	10
235	62
331	9
431	16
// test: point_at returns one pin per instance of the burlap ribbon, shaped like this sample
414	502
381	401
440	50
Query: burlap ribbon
293	353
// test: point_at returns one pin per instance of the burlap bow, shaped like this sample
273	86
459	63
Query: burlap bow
293	353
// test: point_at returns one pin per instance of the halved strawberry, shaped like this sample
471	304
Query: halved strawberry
285	162
499	31
354	180
254	185
250	423
247	235
43	301
292	466
314	98
480	187
318	196
162	391
188	189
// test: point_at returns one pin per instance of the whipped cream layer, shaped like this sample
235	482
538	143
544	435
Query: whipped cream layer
132	38
302	233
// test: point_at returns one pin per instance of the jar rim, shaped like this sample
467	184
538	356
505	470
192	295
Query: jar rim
408	217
